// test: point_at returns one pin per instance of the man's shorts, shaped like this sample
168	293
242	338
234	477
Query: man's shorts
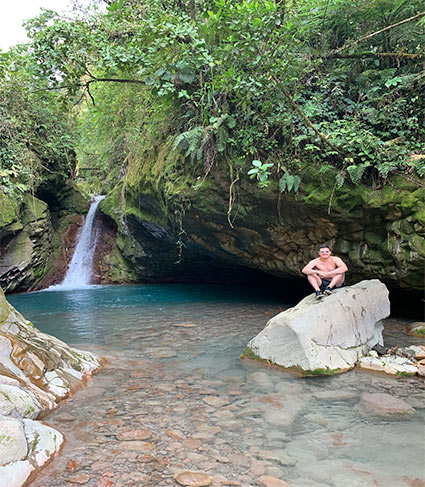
325	284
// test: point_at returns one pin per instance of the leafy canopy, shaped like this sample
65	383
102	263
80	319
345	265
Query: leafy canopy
283	83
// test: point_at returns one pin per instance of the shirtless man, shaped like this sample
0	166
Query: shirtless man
326	272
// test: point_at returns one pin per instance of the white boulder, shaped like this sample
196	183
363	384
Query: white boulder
17	402
43	441
390	364
15	474
13	444
37	371
325	336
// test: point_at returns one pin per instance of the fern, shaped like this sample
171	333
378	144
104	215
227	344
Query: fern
189	141
356	171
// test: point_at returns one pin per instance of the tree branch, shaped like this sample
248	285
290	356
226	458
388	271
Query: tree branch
385	29
321	135
366	54
120	80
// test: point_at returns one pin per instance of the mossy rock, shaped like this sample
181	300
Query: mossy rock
34	209
417	329
9	208
116	269
4	307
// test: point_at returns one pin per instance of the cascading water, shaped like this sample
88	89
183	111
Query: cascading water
81	266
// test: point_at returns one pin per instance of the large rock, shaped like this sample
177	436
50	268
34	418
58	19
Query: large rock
389	364
13	445
378	232
36	372
43	441
15	474
326	336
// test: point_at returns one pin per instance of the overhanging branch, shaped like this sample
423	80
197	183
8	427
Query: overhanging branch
396	55
373	34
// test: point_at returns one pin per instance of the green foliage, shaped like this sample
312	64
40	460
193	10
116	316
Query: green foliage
248	353
231	85
289	182
36	130
261	172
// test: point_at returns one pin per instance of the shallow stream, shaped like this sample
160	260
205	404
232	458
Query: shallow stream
174	384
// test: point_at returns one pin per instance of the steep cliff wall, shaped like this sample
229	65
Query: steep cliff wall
26	242
36	238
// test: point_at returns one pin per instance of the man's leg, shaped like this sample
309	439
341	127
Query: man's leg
337	281
315	281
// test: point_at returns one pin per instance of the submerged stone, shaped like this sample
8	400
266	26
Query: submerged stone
270	481
137	434
328	336
193	479
277	456
384	406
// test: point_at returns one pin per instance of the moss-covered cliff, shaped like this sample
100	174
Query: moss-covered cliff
173	224
35	236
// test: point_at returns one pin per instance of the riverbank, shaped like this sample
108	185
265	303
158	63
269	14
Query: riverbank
37	371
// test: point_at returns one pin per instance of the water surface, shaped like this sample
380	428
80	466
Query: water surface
174	370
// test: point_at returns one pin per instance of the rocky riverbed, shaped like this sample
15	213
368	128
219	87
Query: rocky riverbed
169	403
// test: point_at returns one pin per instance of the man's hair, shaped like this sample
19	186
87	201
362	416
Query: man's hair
324	247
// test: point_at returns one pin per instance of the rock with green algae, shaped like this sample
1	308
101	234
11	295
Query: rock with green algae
31	233
36	372
10	208
417	329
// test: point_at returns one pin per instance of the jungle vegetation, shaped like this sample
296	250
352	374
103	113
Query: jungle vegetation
263	86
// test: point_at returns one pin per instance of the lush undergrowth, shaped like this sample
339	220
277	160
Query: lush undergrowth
264	87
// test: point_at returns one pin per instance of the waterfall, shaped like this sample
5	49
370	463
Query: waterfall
81	267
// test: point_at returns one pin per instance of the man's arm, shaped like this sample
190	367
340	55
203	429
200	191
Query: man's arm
341	268
309	269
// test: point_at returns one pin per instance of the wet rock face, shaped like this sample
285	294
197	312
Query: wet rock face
378	233
26	237
327	336
36	372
